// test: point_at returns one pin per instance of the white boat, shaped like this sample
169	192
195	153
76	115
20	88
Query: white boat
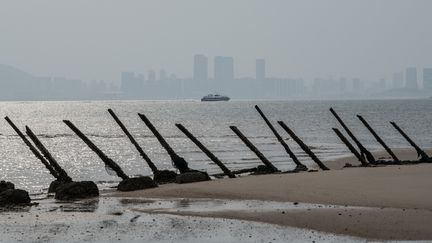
216	97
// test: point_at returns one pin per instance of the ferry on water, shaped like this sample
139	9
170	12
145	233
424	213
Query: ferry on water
215	97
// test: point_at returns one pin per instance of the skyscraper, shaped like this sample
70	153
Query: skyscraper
397	80
162	75
223	68
151	75
200	68
411	78
260	69
427	78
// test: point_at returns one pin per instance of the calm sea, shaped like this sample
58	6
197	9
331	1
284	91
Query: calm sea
209	122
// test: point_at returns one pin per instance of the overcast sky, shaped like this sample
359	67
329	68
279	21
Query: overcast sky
97	39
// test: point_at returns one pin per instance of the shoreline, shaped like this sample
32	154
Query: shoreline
379	203
335	187
394	201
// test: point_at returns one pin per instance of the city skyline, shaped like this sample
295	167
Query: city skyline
214	76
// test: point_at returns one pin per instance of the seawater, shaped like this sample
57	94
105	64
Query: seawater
209	122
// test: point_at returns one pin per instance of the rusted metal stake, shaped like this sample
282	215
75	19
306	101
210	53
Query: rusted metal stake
236	172
34	150
280	139
134	142
179	162
254	149
303	146
108	162
420	152
378	138
363	150
62	173
206	151
350	147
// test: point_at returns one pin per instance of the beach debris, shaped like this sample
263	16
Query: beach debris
350	147
178	162
299	165
108	161
206	151
64	187
363	151
379	140
420	152
164	176
137	183
34	150
6	185
133	141
161	177
262	170
126	180
192	176
76	190
53	162
303	146
11	196
270	167
237	172
60	178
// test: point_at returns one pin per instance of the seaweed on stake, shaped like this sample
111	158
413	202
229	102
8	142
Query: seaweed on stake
187	175
299	165
269	167
127	183
159	176
303	146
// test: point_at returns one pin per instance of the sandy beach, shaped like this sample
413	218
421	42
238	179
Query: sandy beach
394	202
379	203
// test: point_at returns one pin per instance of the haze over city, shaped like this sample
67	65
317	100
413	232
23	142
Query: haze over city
306	45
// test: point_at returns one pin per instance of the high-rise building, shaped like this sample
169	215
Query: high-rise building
151	75
427	78
260	69
131	84
397	80
223	68
357	85
162	75
382	84
127	79
200	68
411	78
342	85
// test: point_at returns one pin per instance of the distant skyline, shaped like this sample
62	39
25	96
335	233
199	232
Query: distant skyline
97	40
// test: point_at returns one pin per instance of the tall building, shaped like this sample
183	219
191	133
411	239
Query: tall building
357	85
200	68
397	80
162	75
427	78
411	78
131	84
260	69
223	68
151	75
382	84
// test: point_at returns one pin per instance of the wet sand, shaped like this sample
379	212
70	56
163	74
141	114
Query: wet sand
405	186
385	203
404	192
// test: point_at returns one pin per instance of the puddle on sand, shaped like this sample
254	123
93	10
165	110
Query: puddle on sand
108	219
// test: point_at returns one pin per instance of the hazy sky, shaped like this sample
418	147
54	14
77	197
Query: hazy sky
97	39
